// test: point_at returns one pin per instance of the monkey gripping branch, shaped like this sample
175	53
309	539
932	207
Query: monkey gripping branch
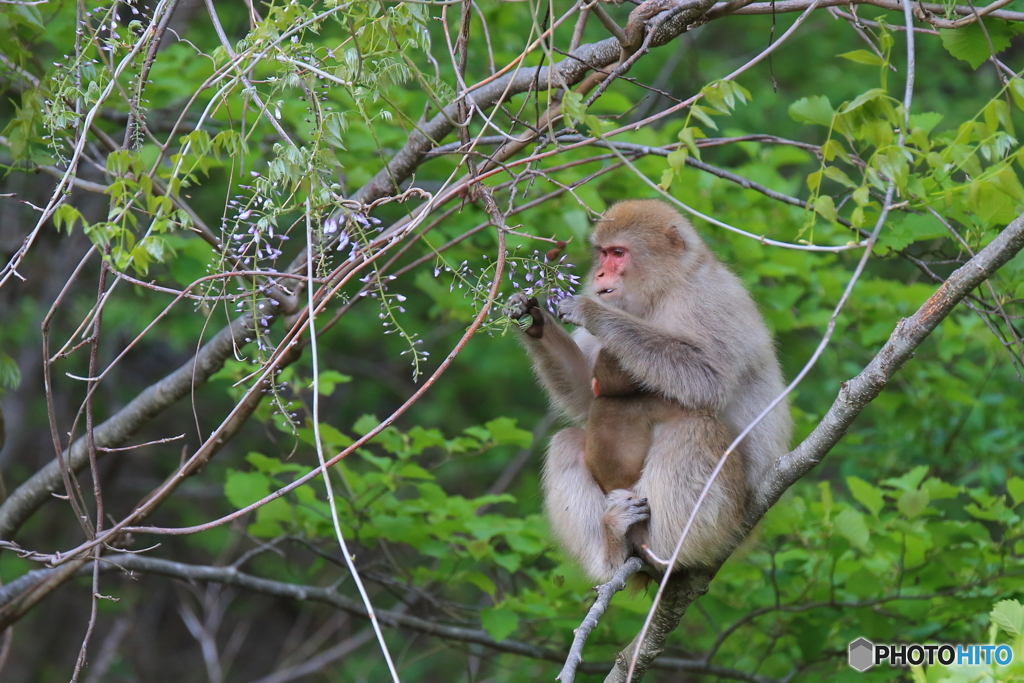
688	585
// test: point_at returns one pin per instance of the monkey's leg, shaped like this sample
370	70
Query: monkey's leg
684	452
576	506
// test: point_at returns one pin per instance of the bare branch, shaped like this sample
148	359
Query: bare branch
116	430
605	593
895	5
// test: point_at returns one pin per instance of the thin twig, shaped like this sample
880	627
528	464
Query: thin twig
349	561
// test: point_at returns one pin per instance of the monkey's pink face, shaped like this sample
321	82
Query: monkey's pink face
609	278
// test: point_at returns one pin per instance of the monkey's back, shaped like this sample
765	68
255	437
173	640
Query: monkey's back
717	310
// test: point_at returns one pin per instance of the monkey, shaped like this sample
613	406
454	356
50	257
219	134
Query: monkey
620	424
684	328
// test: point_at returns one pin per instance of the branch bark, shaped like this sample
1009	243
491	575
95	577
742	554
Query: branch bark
395	618
721	9
28	497
569	71
116	430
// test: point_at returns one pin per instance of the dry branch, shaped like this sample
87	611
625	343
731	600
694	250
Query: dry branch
28	497
928	8
116	430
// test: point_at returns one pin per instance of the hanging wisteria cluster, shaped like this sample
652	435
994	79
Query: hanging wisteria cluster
544	277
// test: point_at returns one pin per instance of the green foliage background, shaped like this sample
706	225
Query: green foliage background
910	531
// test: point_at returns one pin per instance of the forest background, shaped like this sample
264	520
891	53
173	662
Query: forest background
167	167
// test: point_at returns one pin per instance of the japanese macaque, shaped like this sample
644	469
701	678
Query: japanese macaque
683	328
620	425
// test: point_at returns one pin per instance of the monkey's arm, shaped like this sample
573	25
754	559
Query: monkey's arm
699	373
561	366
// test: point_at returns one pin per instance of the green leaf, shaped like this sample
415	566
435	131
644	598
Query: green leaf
926	121
10	373
816	109
425	438
1009	616
703	114
837	174
688	136
273	465
832	149
971	44
499	622
864	57
909	481
861	100
913	503
245	488
1015	487
677	158
814	181
1017	92
483	582
907	228
65	217
850	524
940	490
478	433
866	494
365	424
825	207
504	431
327	380
572	105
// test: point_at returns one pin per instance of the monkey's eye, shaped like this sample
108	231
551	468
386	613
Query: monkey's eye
618	252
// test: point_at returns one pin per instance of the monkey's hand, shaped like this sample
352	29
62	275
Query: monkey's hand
573	310
519	306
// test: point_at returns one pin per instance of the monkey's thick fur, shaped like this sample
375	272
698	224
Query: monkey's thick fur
685	329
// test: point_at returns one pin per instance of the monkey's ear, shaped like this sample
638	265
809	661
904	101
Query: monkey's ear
674	239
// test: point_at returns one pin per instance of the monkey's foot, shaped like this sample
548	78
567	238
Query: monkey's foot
623	511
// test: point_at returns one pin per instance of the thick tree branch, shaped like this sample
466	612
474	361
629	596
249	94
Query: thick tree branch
929	8
569	71
28	497
908	335
153	400
395	618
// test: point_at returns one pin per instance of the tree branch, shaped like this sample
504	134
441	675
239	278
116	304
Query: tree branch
569	71
908	335
28	497
605	593
116	430
396	618
719	10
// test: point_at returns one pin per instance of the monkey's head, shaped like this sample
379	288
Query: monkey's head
642	248
609	378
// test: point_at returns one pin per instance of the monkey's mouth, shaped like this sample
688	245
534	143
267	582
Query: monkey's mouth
602	292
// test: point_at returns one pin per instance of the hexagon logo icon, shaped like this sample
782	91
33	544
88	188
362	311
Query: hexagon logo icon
862	654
